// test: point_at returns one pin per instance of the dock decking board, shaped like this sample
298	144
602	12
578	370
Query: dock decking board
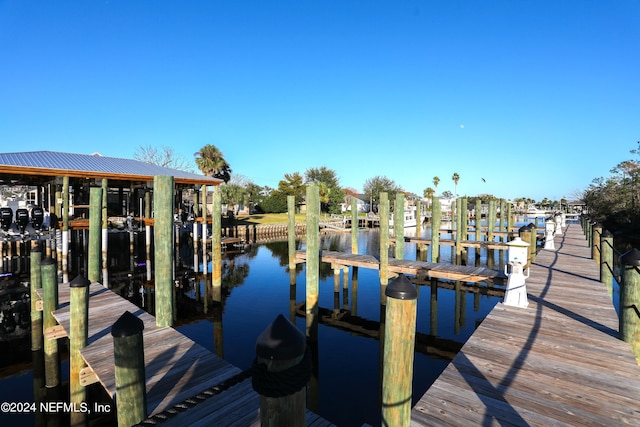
429	269
176	368
557	362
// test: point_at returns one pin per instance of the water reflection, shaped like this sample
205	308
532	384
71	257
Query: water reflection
257	286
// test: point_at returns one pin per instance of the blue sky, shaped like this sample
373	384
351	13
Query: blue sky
536	97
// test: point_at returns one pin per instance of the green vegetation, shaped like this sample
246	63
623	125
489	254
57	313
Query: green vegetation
615	200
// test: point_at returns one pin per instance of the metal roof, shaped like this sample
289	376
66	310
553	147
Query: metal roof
53	163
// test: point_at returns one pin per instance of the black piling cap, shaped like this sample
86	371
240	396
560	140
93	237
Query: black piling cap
48	261
127	325
606	233
401	288
79	282
631	257
281	340
36	248
524	229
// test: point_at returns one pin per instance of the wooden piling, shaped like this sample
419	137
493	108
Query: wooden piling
418	218
525	235
606	260
478	224
128	353
95	235
65	229
630	300
163	202
595	249
104	220
281	373
35	284
383	211
291	230
435	229
355	225
398	225
78	336
49	279
313	261
460	229
216	244
399	345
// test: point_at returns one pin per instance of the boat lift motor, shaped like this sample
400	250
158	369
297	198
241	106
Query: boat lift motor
516	293
6	218
37	217
22	219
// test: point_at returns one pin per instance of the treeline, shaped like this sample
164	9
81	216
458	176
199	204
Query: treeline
614	200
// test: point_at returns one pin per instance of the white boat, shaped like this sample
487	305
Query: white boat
410	217
532	210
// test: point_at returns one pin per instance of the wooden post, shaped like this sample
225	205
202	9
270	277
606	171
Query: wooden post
630	300
104	219
398	225
460	229
355	225
418	218
383	211
78	336
216	244
48	269
478	224
533	241
525	235
291	231
65	229
281	373
606	260
128	354
435	229
205	231
313	260
595	248
36	283
95	221
399	344
163	204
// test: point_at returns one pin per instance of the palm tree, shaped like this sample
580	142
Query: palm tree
436	181
428	194
211	163
455	179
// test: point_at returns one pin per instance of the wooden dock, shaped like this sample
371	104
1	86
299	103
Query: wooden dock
557	362
186	384
432	270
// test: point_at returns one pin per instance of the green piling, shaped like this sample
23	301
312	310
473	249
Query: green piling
163	202
355	225
35	284
78	336
606	260
128	354
95	233
383	211
49	279
435	229
399	345
630	300
398	225
313	261
291	231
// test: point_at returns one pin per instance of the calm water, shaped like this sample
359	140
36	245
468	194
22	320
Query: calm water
346	386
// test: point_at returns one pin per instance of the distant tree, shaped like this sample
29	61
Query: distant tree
211	162
447	194
456	179
380	184
428	194
436	181
162	156
292	185
331	194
